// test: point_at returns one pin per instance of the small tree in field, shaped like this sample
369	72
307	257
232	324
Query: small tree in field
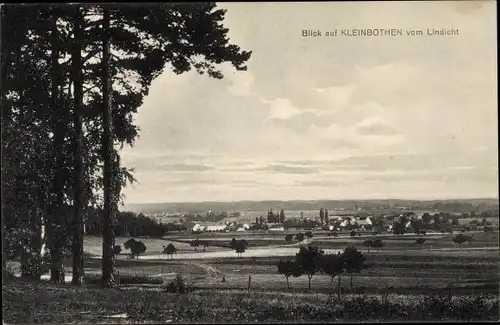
309	235
353	261
241	247
117	249
233	243
289	238
297	270
204	244
332	265
299	236
353	233
287	268
195	243
170	250
136	247
129	243
309	260
461	238
420	241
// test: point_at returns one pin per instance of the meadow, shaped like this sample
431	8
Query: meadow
219	279
399	266
44	303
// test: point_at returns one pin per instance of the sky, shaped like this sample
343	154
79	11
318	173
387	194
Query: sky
329	117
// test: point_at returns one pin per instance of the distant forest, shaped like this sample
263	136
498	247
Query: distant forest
450	206
130	224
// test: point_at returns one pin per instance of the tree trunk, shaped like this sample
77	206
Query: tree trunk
338	288
310	277
4	255
108	236
77	223
351	280
55	235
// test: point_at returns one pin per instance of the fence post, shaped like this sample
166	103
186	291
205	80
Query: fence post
449	301
249	282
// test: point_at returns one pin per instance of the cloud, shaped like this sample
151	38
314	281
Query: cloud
281	108
284	169
302	121
266	168
336	97
183	167
375	126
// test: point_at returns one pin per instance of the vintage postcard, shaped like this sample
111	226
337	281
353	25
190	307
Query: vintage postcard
249	162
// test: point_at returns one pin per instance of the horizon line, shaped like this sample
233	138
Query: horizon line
316	200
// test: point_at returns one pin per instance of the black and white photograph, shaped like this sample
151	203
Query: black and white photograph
249	162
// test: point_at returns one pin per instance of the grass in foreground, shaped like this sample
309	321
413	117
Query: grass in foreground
28	302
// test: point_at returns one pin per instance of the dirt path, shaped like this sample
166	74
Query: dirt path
209	269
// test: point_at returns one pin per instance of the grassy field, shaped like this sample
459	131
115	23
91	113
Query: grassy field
400	266
28	302
400	269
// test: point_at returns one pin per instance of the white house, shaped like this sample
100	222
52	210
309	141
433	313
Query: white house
209	227
364	222
198	227
344	223
216	228
276	227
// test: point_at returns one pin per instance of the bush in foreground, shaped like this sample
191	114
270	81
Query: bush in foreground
178	285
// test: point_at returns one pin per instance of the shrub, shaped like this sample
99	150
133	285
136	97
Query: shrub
178	285
9	273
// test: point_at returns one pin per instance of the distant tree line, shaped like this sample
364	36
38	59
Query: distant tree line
278	217
131	224
209	217
301	223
